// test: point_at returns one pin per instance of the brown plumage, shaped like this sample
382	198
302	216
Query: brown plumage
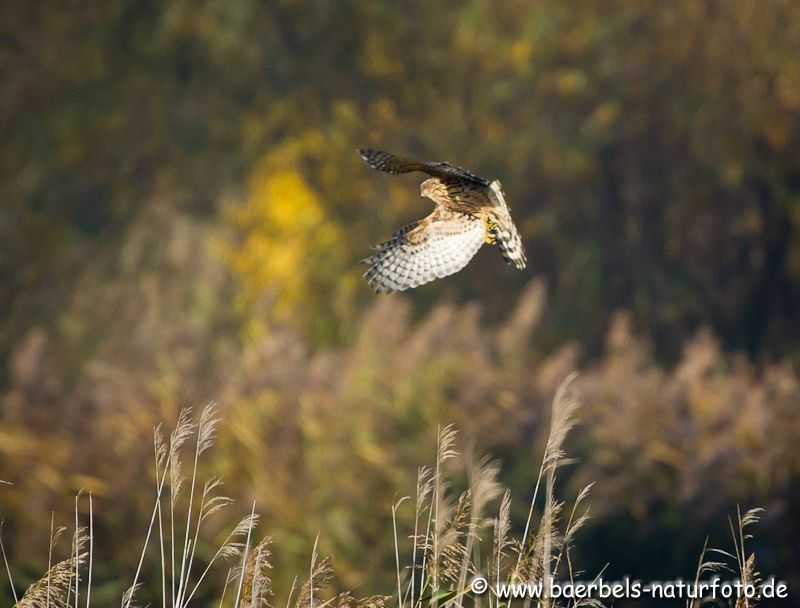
469	211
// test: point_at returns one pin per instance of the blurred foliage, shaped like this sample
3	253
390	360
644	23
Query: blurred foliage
289	259
646	147
183	212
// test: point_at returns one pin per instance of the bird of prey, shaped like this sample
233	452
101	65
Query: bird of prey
469	212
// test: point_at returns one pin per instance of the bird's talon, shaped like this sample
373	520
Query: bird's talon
489	235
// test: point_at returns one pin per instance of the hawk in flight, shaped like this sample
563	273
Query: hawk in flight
470	211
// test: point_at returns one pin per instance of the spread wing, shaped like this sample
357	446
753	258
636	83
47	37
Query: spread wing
384	161
435	247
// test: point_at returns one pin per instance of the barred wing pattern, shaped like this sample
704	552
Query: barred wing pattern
437	246
390	163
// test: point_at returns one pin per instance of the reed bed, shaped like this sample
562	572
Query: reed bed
456	535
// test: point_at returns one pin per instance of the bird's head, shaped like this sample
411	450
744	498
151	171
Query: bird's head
430	187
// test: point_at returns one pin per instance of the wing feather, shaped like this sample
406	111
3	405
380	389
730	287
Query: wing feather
390	163
440	245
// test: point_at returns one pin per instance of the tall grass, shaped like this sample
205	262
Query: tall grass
461	541
738	562
173	537
453	539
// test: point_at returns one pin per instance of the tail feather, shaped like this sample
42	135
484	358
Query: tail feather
504	230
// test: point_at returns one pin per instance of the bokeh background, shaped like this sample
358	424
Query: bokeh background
183	212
